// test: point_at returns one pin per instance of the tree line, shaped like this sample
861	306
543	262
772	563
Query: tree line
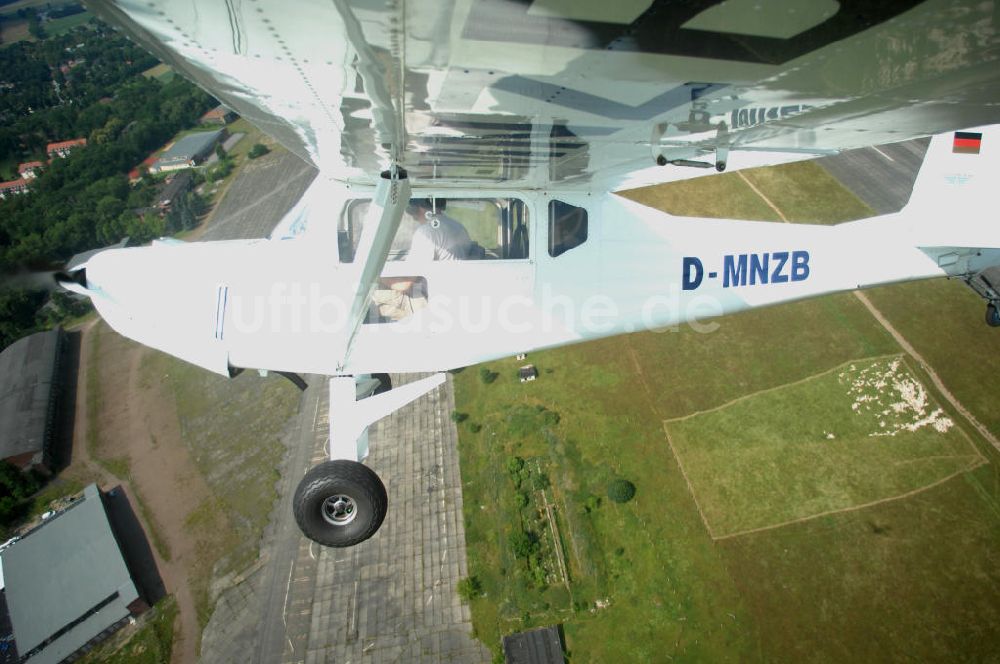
41	103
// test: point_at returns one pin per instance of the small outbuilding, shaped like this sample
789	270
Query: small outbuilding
534	646
527	373
219	115
174	186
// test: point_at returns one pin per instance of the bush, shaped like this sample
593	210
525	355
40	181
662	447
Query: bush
621	491
514	464
15	489
538	573
470	588
540	482
487	376
475	428
591	504
257	150
523	544
524	420
458	417
521	499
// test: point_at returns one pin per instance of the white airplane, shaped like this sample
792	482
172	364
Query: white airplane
494	133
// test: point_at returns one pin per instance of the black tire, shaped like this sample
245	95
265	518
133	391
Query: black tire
992	315
325	517
385	382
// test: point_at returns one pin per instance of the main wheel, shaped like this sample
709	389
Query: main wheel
992	315
340	503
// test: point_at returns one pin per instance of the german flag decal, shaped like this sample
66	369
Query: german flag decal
967	142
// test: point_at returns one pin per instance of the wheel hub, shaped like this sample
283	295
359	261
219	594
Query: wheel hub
339	510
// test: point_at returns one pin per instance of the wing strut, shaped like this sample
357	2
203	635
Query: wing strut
384	214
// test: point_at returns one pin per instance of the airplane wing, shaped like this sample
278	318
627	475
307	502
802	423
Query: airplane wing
582	94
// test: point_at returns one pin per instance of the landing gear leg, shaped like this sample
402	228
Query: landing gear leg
993	314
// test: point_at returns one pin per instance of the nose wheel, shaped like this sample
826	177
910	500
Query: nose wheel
340	503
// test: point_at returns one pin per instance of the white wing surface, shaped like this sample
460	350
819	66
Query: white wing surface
578	94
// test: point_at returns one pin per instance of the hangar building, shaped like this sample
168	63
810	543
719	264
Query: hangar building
187	152
29	395
67	583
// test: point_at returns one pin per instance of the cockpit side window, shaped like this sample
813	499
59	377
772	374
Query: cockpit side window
567	227
442	229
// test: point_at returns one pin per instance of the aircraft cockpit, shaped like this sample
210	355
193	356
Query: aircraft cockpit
438	234
473	228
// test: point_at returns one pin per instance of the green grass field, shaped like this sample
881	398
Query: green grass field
858	434
162	72
613	552
13	30
60	26
803	191
910	578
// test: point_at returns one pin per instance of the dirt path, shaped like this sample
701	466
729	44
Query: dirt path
137	420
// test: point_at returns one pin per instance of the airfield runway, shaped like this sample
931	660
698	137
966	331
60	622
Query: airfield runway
880	176
259	196
391	599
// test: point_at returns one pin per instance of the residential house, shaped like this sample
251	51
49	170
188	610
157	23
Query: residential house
64	148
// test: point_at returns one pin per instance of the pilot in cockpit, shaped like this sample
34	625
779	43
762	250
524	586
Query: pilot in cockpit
438	237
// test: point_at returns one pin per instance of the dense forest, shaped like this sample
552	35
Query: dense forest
50	86
86	83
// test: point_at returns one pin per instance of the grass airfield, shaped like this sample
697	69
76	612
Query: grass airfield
753	536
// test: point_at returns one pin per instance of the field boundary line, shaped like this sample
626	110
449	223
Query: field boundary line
938	456
690	486
935	379
794	383
854	508
642	378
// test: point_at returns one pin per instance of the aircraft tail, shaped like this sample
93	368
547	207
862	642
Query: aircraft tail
952	211
956	191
